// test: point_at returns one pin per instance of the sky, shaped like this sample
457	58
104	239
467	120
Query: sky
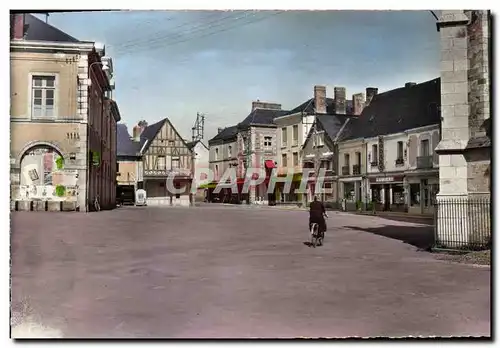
177	63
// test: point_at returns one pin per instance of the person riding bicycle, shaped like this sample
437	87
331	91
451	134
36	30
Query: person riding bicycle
317	214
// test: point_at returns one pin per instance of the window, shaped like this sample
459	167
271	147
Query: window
244	146
175	162
346	160
268	142
43	90
216	154
400	150
230	151
358	158
424	148
161	164
374	153
283	137
216	171
414	194
171	143
295	134
283	160
295	159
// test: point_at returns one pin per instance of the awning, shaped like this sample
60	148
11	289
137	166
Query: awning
269	164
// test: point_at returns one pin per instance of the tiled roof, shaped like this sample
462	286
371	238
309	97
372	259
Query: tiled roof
226	134
38	30
308	107
262	117
398	110
125	146
331	124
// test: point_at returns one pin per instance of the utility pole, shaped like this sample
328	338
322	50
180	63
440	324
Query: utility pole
198	128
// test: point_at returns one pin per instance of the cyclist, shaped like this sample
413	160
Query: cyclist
317	214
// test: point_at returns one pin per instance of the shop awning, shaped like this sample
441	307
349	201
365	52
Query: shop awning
269	164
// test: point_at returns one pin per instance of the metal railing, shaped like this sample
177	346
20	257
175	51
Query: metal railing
424	162
462	223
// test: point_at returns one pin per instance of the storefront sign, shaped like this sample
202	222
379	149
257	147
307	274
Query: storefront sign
386	179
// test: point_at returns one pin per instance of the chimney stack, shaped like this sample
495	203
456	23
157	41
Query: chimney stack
220	129
339	100
17	27
370	93
320	99
265	105
358	103
138	129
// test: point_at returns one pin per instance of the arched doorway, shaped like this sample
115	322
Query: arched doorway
37	166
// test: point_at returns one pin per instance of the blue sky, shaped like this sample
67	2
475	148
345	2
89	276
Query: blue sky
177	63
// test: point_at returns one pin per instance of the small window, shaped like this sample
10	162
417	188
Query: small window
296	134
175	162
400	149
43	94
267	142
284	160
283	137
295	159
346	160
424	148
161	164
374	153
216	154
230	151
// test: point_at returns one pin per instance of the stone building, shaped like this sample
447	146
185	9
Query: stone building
63	119
465	146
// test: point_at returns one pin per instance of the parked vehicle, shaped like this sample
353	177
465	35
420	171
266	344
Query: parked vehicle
140	198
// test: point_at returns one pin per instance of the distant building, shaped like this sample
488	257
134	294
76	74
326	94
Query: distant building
201	164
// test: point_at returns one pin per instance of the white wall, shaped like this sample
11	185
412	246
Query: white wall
223	159
201	161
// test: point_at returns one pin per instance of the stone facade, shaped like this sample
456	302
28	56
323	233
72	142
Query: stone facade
464	150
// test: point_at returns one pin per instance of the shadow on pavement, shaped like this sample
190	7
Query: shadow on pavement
420	236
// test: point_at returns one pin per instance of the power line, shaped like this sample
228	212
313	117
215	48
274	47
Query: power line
153	47
158	34
165	38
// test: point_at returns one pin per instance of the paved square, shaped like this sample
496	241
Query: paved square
236	272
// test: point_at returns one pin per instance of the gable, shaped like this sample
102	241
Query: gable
167	139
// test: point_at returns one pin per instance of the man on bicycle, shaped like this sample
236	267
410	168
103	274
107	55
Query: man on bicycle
317	214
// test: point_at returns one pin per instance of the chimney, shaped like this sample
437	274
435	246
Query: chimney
320	99
138	129
370	93
409	84
358	103
265	105
339	100
220	129
17	28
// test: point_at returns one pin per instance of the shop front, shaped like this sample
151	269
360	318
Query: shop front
283	196
350	193
422	190
388	193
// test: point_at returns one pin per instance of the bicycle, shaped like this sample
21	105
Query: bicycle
97	207
316	236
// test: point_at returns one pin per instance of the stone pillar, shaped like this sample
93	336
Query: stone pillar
464	149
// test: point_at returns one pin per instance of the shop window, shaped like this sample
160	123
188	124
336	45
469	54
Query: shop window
398	194
414	194
349	193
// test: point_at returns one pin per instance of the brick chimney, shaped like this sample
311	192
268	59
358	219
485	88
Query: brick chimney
370	93
320	99
339	100
358	103
265	105
17	28
138	129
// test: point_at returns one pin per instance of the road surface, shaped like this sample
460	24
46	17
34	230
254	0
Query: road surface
231	272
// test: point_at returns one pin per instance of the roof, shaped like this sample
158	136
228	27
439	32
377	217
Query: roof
226	134
398	110
38	30
348	130
262	117
125	146
309	106
332	124
192	144
150	132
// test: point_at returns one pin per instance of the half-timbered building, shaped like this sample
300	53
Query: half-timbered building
167	164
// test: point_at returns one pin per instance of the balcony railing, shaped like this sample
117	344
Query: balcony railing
400	162
374	163
345	170
356	169
424	162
